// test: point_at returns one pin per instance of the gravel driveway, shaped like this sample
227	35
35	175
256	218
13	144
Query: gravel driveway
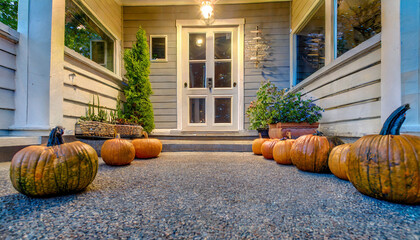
206	196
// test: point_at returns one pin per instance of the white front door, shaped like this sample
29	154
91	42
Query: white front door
209	79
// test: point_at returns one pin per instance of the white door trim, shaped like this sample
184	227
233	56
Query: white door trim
234	22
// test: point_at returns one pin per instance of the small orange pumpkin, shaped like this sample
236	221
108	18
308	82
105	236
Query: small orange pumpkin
337	161
281	151
256	145
267	148
310	152
147	147
117	151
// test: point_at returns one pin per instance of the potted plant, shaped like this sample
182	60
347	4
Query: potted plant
293	114
257	112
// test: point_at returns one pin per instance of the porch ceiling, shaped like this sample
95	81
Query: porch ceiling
187	2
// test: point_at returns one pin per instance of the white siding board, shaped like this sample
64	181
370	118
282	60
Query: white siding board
7	60
353	128
7	78
7	46
6	119
7	100
352	112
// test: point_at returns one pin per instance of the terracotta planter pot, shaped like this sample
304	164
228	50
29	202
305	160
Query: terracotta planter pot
279	130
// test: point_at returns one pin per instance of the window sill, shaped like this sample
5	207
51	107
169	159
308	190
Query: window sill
347	57
73	54
8	33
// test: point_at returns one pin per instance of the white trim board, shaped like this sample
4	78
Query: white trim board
239	22
189	2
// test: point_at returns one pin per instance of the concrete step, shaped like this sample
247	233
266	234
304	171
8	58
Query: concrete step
191	135
207	145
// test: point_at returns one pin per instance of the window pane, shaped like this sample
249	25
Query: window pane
197	110
197	46
158	48
357	21
85	37
222	73
310	46
222	45
197	75
222	110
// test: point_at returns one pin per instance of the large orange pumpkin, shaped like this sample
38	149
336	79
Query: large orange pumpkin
267	148
55	169
387	166
256	145
310	152
337	161
281	151
147	147
117	151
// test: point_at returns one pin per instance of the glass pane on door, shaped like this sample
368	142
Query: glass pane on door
222	110
197	110
222	74
197	46
197	75
222	45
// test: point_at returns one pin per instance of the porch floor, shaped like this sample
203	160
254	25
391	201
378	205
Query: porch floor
206	195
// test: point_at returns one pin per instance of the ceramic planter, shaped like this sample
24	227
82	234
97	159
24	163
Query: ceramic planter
279	130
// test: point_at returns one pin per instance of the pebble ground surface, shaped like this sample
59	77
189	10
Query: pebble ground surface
205	195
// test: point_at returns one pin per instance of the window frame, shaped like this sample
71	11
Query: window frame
161	60
331	17
101	26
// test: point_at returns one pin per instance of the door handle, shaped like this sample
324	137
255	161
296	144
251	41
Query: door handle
234	84
185	84
210	83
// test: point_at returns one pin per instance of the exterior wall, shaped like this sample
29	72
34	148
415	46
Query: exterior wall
349	90
8	41
272	18
410	60
90	79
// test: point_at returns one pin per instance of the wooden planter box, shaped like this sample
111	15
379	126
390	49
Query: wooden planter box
129	131
279	130
92	129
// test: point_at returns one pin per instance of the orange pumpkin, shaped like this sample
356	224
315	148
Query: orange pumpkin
56	169
310	152
281	151
147	147
387	166
267	148
117	151
257	143
337	161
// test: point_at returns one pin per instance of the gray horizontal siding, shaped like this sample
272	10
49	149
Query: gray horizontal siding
7	77
272	18
80	91
351	96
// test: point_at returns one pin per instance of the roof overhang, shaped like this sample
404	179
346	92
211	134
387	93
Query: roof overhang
187	2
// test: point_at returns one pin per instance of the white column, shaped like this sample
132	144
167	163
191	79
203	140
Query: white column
391	58
39	75
329	31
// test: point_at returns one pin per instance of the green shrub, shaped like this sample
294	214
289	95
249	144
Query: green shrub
138	108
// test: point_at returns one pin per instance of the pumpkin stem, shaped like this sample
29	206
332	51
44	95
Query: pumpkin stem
318	133
118	136
145	134
56	137
394	122
259	134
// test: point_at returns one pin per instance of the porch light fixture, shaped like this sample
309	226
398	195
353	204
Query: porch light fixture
206	9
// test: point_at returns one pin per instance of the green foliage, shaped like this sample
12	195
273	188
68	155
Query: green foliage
293	108
101	116
9	13
138	108
273	106
258	111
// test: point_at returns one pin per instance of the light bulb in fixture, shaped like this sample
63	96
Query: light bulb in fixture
206	9
199	42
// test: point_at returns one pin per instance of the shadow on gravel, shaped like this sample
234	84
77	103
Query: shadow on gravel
18	204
